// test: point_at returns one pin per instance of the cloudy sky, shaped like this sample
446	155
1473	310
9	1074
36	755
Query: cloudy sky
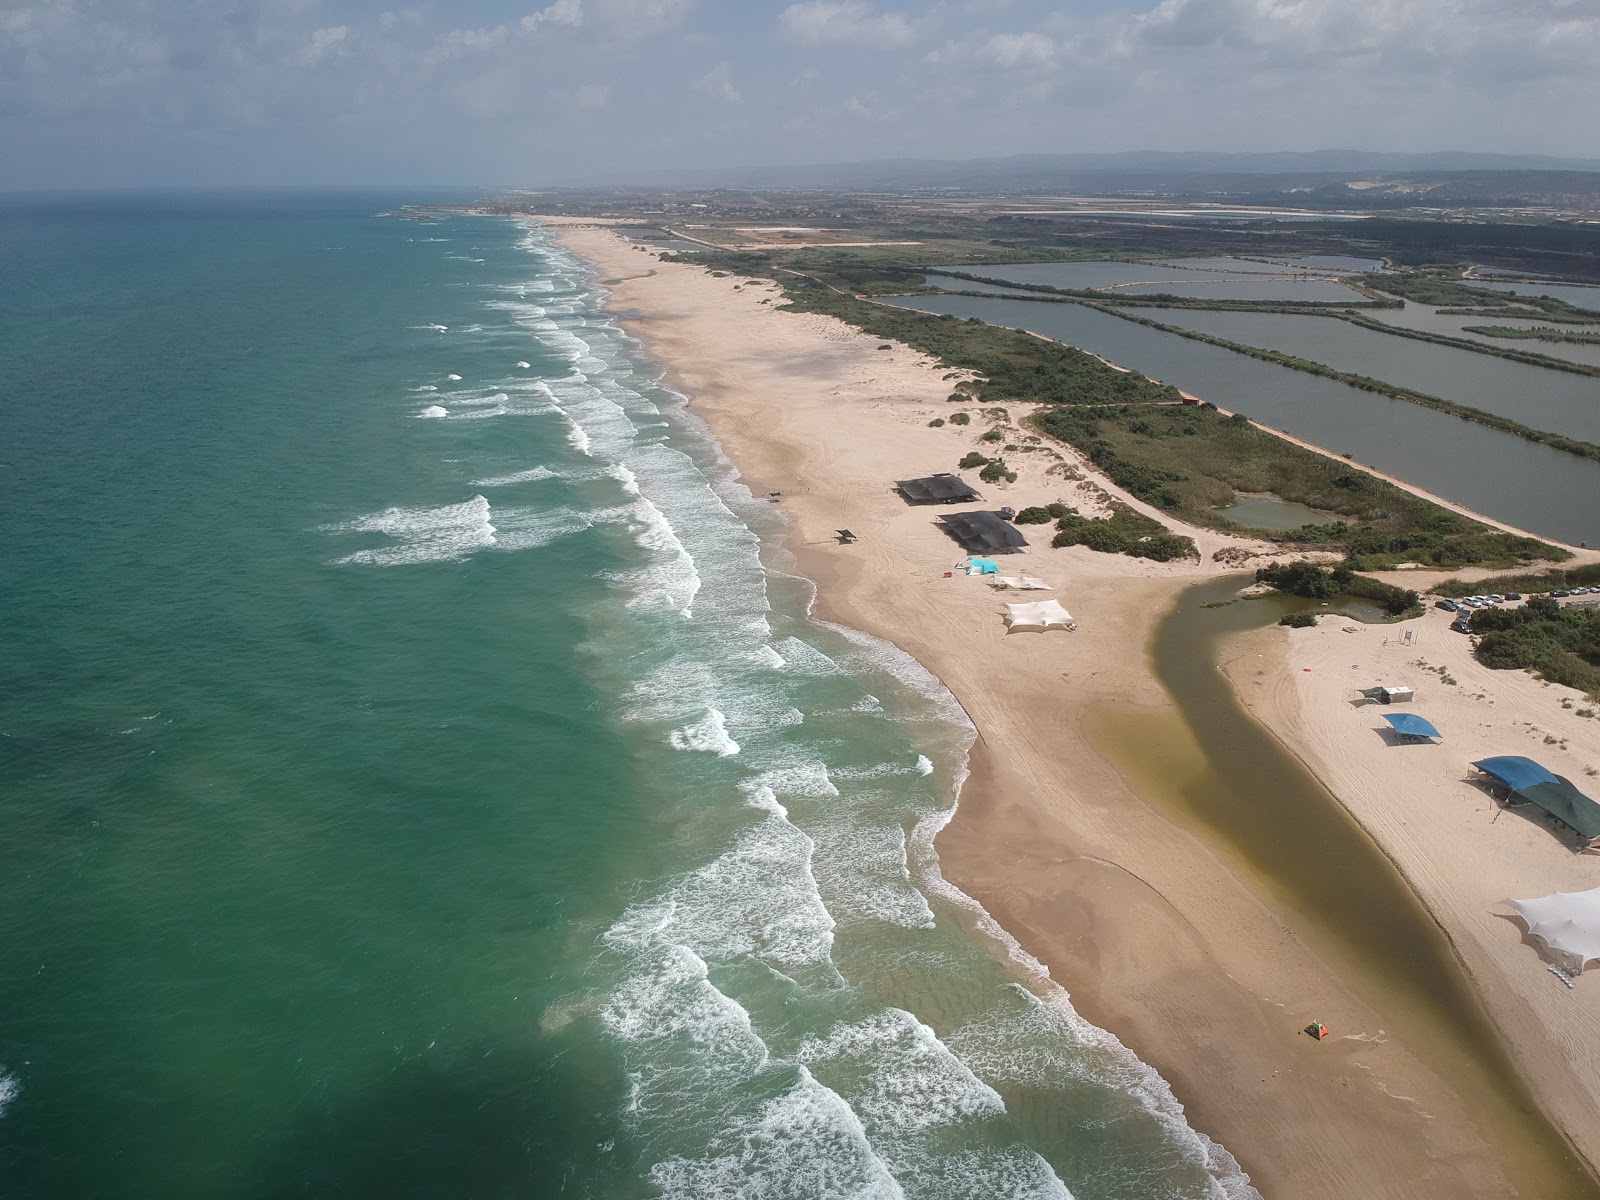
139	92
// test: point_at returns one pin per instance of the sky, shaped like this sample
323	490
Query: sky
136	93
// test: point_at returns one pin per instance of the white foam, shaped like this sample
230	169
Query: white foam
759	900
529	476
709	736
578	437
924	765
904	1083
806	1144
10	1089
915	1082
522	364
442	534
865	874
427	387
433	412
806	779
453	378
670	997
805	659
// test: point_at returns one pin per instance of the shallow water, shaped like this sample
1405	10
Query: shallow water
1269	512
1217	770
1550	400
1221	278
1425	318
1579	295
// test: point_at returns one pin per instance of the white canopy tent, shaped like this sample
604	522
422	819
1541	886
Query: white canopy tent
1022	583
1568	923
1040	614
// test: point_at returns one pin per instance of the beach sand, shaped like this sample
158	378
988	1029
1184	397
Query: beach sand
1157	935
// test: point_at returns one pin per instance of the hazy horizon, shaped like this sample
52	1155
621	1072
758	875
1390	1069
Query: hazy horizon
178	93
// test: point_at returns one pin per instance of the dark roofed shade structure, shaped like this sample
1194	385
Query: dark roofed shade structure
1412	728
944	488
983	531
1528	781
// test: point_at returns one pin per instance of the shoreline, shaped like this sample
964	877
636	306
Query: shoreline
1152	934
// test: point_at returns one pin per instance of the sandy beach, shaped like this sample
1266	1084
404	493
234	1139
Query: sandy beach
1154	931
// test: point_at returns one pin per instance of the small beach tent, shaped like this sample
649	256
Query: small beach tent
1412	728
1040	615
983	532
982	566
1527	781
1022	583
1390	695
936	489
1568	923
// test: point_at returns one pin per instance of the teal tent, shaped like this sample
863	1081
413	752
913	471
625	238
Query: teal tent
1412	728
982	566
1527	781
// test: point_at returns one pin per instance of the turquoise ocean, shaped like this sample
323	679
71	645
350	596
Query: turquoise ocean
422	776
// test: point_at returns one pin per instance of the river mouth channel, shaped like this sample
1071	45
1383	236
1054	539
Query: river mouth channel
1209	766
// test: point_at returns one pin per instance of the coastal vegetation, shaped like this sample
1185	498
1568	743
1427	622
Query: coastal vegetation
1561	644
1185	459
1123	531
1536	333
1193	460
1528	582
1440	289
1324	583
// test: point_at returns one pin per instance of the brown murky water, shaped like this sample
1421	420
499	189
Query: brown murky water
1211	766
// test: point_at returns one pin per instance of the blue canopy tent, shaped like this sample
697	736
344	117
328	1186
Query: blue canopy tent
1526	780
1412	728
982	566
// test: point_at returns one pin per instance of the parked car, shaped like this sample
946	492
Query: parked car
1462	624
1447	605
1513	595
1559	595
1496	598
1581	591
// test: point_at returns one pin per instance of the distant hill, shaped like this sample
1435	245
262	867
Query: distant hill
1164	172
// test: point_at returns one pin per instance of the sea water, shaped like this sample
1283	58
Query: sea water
424	776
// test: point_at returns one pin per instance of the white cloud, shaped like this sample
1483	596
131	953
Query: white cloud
322	43
845	22
718	84
592	96
567	13
632	20
1012	51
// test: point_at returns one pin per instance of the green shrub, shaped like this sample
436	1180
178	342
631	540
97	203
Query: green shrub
1033	515
1163	547
1299	620
995	471
1561	644
994	435
972	459
936	422
1320	583
960	418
